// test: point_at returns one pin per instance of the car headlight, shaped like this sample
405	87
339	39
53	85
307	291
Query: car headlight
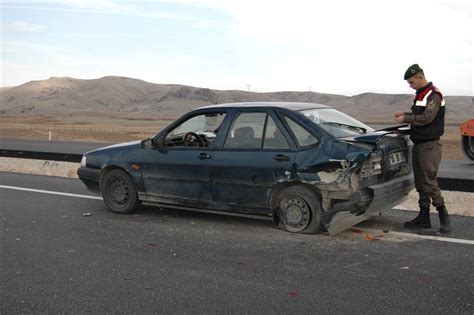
83	161
373	166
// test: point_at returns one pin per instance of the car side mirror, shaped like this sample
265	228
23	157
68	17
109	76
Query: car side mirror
148	143
151	143
159	143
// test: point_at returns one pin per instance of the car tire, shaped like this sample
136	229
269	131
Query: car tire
119	192
298	209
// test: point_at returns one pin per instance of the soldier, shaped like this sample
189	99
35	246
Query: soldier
427	125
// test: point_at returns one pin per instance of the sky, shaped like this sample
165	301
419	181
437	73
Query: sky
343	47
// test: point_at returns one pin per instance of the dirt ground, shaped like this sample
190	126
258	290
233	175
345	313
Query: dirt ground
85	129
107	130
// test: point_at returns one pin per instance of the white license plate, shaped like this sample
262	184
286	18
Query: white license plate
397	158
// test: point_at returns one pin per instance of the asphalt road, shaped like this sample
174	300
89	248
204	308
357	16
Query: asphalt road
55	260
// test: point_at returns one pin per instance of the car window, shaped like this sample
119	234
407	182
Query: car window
274	138
246	131
197	131
303	136
336	123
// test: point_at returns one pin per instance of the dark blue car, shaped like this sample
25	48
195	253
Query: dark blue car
308	166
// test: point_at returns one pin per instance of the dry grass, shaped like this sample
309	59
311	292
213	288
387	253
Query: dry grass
90	129
107	130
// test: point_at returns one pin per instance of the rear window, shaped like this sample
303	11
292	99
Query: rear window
336	123
246	131
303	136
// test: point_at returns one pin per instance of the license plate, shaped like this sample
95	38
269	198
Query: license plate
397	158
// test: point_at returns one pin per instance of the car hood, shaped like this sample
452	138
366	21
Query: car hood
122	146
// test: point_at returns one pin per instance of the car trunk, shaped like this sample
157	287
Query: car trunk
394	151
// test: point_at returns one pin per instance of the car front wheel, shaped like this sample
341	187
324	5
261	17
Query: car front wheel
118	191
298	210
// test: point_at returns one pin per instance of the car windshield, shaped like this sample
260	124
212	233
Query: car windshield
336	123
202	124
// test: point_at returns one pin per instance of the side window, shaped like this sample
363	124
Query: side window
274	138
302	135
246	131
198	131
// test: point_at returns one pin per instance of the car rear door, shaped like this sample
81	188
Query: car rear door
256	153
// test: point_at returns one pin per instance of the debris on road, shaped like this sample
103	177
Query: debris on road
370	237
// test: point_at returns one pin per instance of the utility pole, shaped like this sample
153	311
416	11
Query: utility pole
249	86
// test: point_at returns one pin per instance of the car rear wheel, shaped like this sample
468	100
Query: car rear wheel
298	210
467	147
118	191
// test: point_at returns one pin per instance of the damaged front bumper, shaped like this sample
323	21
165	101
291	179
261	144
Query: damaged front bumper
90	177
364	203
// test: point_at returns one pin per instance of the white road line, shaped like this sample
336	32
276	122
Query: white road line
425	237
51	192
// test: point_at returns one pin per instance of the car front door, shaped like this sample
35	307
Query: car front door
256	153
177	171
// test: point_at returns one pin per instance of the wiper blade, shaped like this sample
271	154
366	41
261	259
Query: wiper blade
332	123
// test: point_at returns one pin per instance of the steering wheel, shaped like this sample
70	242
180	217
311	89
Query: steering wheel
190	142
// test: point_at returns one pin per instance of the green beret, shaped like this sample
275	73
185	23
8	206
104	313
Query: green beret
412	70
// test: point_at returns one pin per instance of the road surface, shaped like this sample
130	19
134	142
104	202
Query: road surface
66	253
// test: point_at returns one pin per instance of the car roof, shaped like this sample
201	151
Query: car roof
289	105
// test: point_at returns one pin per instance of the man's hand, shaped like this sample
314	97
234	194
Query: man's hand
399	117
398	114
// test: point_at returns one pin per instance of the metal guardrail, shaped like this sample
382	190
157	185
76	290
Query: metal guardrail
456	184
50	156
445	183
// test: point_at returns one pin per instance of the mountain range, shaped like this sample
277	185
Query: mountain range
115	97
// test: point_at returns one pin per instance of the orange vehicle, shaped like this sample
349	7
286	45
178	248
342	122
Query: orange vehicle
467	139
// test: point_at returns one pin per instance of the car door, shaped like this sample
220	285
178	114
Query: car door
177	172
256	153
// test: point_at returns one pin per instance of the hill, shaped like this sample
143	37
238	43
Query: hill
114	97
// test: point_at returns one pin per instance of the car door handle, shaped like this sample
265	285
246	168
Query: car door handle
281	157
204	156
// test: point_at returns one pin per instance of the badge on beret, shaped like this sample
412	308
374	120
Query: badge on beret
411	71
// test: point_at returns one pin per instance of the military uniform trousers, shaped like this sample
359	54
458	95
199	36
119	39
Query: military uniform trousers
426	157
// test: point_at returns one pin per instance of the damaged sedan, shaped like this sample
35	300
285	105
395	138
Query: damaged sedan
307	166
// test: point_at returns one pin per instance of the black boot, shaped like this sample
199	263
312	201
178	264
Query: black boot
444	221
422	221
